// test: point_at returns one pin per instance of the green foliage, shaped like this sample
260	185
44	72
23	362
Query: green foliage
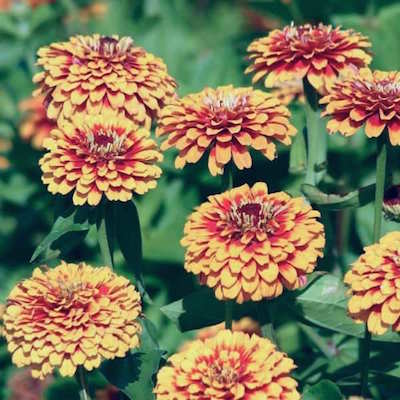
204	44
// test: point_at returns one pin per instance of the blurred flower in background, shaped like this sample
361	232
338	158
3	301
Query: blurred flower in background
23	386
35	126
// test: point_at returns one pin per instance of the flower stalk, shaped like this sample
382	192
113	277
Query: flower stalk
82	382
316	137
105	234
381	160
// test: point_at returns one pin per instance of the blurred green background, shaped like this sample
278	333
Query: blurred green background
203	43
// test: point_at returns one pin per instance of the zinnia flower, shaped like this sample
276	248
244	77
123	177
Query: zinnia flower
226	121
374	281
289	91
69	316
232	365
95	73
370	99
35	125
391	203
319	53
96	155
248	244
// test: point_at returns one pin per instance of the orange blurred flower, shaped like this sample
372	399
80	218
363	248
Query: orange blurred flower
374	281
248	244
245	325
91	74
289	91
370	99
5	147
110	392
231	365
319	53
69	316
96	155
226	121
35	125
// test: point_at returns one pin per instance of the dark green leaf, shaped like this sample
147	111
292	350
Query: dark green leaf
65	388
333	202
129	237
324	303
74	220
324	390
134	374
41	15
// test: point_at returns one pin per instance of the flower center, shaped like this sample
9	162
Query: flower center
221	102
255	216
223	374
385	87
108	46
105	143
309	34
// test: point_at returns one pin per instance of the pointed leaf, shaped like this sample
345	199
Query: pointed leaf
357	198
325	390
74	222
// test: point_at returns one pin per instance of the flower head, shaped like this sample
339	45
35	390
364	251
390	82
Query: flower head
319	53
374	281
96	155
245	325
226	121
35	126
69	316
231	365
370	99
249	244
391	203
95	73
289	91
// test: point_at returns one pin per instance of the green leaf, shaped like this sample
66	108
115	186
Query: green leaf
324	303
74	222
129	237
106	231
134	374
65	388
325	390
42	15
197	310
357	198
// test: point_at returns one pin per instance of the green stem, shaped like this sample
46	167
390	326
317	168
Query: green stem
82	382
105	234
228	314
267	328
381	159
317	137
227	184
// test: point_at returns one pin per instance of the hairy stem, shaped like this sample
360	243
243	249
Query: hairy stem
228	314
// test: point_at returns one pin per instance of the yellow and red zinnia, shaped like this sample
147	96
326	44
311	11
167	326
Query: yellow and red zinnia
248	244
91	74
72	315
370	99
319	53
374	281
93	156
231	365
35	125
226	122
